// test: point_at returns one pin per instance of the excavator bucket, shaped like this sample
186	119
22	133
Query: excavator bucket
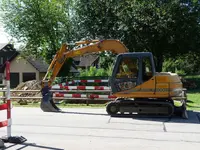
47	104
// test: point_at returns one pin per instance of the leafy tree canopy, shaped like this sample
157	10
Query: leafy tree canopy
165	28
43	25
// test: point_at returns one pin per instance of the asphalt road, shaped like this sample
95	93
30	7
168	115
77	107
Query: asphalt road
93	129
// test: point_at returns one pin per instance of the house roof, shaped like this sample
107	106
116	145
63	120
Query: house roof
37	63
2	45
7	47
8	52
85	60
42	66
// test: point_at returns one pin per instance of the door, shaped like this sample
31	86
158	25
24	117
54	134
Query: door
14	79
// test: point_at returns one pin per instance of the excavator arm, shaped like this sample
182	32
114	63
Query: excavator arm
114	46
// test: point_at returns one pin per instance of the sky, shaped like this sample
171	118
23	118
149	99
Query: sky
4	37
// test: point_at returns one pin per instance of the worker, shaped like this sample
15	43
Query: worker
132	67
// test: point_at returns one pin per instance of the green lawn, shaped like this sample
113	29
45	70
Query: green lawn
63	105
193	101
196	77
194	95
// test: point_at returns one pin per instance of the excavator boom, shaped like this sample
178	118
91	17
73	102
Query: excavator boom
115	46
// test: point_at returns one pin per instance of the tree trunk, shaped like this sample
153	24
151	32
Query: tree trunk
159	62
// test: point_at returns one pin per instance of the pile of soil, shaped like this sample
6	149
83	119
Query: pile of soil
29	85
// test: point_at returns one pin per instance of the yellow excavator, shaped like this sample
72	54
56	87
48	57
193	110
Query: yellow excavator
134	81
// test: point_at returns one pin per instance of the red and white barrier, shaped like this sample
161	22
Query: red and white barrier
92	96
3	123
60	89
86	81
7	106
61	86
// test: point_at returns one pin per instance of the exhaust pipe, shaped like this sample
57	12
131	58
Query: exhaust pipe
47	104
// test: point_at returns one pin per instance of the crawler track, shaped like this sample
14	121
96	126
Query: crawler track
160	108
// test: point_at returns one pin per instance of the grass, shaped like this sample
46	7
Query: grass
63	105
194	95
196	77
193	101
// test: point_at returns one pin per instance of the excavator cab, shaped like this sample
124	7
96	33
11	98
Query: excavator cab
131	70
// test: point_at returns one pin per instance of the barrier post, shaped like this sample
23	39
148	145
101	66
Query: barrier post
8	99
9	138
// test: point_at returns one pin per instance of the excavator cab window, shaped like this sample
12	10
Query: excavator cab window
147	71
128	68
126	73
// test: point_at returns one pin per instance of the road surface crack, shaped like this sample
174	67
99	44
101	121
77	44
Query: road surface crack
109	120
164	127
198	117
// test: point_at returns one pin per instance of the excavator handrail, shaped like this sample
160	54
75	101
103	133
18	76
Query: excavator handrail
115	46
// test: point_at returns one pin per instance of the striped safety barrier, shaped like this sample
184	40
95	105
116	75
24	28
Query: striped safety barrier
61	86
86	81
7	106
92	96
4	123
60	90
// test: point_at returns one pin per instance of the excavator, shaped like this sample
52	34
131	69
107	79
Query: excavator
134	81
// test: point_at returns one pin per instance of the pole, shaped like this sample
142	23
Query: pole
8	99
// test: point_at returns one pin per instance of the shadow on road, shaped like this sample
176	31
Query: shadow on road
27	145
194	117
85	113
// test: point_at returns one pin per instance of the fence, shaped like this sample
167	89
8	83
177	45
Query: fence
74	90
7	106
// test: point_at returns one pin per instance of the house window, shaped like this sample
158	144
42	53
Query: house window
29	76
14	79
1	60
1	78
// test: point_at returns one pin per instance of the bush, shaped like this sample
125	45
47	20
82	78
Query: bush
183	65
93	71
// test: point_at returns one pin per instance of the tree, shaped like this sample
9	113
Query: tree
165	28
187	64
96	19
43	25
